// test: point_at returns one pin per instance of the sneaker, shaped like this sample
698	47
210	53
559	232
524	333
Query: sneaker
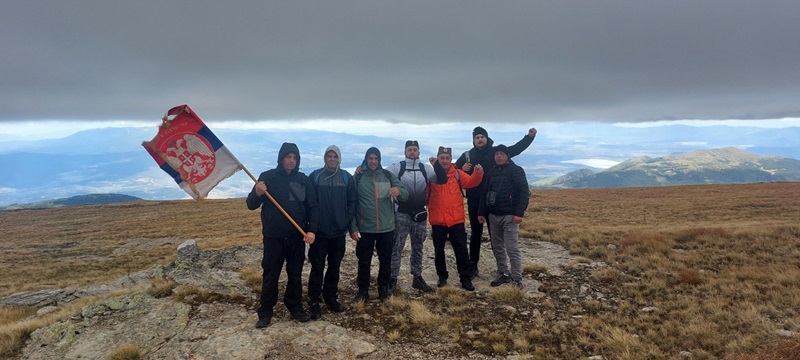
314	311
334	306
467	285
362	295
263	322
383	293
500	280
300	315
392	286
516	283
442	281
419	284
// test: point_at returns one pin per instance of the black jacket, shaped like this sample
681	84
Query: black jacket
337	199
485	157
510	186
293	192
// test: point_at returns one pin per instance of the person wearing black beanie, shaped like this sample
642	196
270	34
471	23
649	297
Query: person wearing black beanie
411	216
482	153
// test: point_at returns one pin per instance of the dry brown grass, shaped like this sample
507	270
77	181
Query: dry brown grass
507	295
126	352
14	334
720	263
534	268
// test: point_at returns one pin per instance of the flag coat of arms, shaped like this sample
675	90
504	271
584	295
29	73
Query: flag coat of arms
187	150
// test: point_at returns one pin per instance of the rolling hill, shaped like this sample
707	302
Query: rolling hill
717	166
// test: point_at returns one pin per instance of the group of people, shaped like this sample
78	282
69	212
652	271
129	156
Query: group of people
380	208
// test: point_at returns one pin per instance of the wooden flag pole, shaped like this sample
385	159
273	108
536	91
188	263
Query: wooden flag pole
276	204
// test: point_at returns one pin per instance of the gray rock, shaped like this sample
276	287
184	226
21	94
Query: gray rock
46	310
685	354
34	298
214	271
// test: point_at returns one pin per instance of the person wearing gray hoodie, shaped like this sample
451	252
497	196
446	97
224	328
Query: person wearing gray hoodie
336	200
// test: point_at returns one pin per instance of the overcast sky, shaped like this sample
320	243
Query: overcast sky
412	61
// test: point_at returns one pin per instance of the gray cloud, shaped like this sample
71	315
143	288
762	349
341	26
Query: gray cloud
417	61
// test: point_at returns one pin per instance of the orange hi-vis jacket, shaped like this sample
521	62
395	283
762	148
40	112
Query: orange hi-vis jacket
446	203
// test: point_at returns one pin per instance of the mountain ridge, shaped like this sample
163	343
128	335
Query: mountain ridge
88	199
728	165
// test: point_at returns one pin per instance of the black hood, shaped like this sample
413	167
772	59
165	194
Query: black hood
286	149
372	150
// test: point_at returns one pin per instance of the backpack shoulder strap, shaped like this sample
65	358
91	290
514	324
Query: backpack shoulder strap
315	177
424	173
345	178
458	180
402	169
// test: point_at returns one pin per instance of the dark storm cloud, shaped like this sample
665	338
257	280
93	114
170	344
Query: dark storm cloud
415	61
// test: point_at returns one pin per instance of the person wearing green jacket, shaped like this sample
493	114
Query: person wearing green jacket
373	225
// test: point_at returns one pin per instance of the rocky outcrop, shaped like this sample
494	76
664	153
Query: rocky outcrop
222	327
215	271
166	329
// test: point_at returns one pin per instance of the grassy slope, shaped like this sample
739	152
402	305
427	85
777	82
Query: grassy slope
719	263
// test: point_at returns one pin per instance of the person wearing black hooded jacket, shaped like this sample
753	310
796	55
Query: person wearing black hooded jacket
282	241
503	202
483	153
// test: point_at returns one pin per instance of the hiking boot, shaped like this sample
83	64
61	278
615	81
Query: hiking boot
516	283
467	285
392	286
334	306
500	280
362	295
314	311
263	322
419	284
442	281
300	315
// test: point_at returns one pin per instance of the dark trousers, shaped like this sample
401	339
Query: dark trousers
458	239
290	249
332	249
477	231
364	248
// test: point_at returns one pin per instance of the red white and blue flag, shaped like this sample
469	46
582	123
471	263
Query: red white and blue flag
187	150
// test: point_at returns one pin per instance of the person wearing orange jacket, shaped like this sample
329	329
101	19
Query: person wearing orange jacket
446	214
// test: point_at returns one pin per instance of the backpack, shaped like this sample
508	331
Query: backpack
315	177
386	173
403	170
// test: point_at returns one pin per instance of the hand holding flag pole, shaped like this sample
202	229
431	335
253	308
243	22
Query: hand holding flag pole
276	204
187	150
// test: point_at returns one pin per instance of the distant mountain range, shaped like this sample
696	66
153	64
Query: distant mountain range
91	199
112	160
717	166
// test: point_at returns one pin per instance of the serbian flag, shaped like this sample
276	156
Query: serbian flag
187	150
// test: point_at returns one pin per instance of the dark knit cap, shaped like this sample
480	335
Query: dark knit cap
412	143
479	130
501	148
445	150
